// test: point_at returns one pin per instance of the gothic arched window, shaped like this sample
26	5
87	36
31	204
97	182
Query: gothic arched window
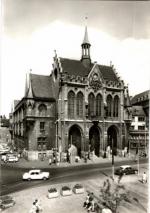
71	104
98	105
91	101
116	106
42	110
80	104
109	106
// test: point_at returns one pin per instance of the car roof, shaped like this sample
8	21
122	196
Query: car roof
35	170
125	166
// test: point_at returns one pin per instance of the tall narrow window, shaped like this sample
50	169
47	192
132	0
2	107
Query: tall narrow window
91	108
98	104
80	105
109	106
42	126
116	106
71	104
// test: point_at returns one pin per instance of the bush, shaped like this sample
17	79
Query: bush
65	188
51	190
78	186
112	195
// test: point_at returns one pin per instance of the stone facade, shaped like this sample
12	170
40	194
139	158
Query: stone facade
87	105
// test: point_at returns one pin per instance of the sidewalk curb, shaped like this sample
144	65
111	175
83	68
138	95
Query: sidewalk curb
32	165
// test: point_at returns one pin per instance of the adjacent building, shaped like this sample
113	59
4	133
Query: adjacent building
81	103
139	130
5	137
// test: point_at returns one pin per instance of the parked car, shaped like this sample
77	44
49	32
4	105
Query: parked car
126	170
4	156
4	149
10	158
35	174
6	202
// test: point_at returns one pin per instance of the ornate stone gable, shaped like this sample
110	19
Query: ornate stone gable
95	78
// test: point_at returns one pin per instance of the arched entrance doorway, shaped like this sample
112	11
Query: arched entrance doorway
94	140
75	138
112	138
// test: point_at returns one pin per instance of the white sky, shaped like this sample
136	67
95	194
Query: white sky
32	30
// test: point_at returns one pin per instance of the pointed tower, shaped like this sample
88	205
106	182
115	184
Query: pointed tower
86	60
30	91
28	86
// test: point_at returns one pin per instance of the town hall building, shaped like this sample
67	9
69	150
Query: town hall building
81	103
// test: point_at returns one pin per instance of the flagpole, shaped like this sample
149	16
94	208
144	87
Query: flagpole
138	165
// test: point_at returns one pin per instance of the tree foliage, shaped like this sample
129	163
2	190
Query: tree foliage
113	194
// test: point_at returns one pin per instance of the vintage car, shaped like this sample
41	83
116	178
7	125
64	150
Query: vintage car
36	174
125	170
11	158
6	202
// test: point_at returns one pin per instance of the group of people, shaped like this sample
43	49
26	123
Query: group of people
89	203
36	207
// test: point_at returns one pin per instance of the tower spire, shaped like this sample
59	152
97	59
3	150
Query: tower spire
86	48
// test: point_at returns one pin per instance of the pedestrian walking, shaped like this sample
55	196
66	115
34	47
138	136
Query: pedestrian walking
38	206
144	178
33	208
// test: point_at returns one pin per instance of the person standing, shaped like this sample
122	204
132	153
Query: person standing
86	201
90	205
67	156
144	178
50	161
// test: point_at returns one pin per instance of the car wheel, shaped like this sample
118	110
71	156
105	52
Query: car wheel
29	179
44	178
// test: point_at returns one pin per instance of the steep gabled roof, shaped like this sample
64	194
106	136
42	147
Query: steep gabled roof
108	73
41	86
76	68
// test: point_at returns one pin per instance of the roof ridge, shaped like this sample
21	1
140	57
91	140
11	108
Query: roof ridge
39	75
70	59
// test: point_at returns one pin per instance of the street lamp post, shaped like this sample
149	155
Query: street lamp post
112	160
145	142
138	165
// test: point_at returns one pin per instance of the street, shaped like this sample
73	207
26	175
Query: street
11	176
